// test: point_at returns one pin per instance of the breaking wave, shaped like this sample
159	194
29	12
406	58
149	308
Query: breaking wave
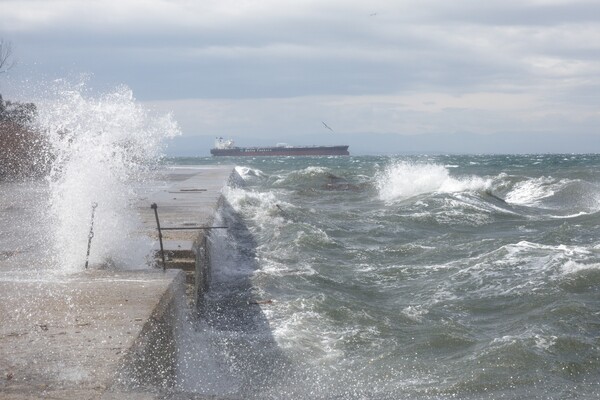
533	191
101	146
404	180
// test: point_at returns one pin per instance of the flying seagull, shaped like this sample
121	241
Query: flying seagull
327	126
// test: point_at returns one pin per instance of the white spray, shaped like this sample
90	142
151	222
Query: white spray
101	147
403	180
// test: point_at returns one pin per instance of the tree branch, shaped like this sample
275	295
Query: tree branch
6	61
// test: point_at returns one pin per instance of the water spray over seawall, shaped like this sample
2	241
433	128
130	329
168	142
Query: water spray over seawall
100	147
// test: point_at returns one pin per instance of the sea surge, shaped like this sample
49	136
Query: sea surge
424	277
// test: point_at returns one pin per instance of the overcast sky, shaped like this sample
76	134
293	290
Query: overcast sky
493	75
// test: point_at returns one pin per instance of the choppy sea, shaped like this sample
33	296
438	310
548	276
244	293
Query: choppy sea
421	277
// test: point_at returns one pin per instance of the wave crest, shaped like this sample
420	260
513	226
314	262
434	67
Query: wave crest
403	180
531	192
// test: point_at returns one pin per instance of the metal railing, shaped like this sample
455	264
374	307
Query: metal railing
154	206
90	235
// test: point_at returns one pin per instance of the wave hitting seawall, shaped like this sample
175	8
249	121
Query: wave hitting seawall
412	277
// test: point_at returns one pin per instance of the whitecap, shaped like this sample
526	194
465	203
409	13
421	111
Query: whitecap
247	173
544	342
404	180
415	313
531	191
579	214
572	267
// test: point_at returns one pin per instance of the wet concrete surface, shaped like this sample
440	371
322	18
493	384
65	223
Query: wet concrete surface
104	333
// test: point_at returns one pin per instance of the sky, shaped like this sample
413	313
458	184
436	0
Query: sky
388	76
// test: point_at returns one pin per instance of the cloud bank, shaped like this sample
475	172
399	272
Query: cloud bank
267	69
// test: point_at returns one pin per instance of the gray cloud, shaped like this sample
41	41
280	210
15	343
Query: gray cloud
228	54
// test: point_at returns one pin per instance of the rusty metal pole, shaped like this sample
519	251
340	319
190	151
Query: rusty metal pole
162	251
90	236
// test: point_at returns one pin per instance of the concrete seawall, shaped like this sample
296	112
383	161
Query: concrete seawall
189	203
111	334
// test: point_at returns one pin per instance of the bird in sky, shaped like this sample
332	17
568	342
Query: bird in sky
327	126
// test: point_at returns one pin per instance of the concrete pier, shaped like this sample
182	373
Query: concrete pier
110	334
189	203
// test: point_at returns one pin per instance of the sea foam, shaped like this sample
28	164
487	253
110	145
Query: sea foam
532	191
403	180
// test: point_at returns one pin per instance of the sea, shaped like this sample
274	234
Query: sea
406	277
354	277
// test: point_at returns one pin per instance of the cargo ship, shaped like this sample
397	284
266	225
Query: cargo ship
227	147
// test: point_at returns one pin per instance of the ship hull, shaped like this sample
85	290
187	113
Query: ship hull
282	151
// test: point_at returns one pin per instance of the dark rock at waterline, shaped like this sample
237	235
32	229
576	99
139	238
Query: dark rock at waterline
337	183
345	186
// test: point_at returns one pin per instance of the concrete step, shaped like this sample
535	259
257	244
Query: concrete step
176	248
185	264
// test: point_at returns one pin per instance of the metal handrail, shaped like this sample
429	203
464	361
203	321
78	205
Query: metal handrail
90	235
154	206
